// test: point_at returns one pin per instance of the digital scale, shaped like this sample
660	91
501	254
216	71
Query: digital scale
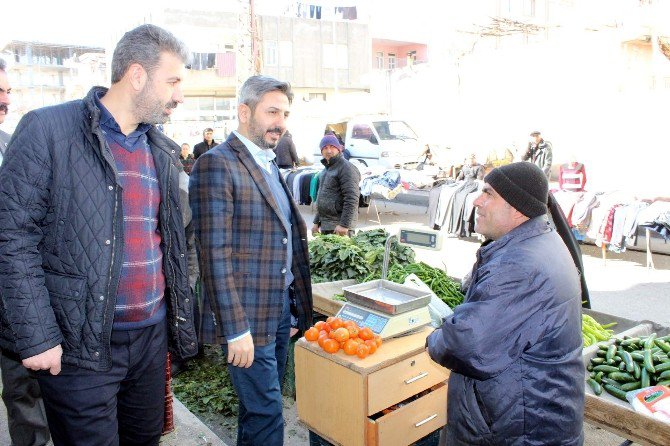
390	309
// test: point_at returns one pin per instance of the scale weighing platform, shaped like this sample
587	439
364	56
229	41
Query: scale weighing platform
390	309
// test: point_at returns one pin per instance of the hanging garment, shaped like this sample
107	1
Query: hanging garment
572	176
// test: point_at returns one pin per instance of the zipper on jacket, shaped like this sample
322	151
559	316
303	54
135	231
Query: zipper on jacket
169	258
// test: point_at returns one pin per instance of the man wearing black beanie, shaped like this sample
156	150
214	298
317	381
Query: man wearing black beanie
515	345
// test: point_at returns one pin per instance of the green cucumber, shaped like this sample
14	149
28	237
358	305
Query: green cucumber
628	359
649	362
663	345
622	377
616	392
649	342
631	386
597	388
605	368
611	351
644	378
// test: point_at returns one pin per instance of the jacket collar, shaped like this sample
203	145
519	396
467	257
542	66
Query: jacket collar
530	228
247	159
334	161
156	138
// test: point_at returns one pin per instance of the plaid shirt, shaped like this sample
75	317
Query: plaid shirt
241	247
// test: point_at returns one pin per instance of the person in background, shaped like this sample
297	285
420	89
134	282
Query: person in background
206	144
515	344
186	157
93	262
471	170
254	260
287	157
339	191
539	152
5	91
27	420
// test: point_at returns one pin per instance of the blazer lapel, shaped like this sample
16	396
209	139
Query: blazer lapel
255	171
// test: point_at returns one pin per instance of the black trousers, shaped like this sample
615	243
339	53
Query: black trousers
25	411
123	406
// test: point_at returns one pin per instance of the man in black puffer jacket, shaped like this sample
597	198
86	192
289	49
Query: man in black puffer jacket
339	190
93	258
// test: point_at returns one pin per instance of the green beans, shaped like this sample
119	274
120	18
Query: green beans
593	332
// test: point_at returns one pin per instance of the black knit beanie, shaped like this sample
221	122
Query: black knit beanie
523	185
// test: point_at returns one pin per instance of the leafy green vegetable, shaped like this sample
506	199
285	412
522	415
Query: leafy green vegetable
333	257
206	386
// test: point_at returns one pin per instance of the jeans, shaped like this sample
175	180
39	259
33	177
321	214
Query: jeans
25	410
260	420
122	406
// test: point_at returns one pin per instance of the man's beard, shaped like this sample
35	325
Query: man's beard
150	110
257	135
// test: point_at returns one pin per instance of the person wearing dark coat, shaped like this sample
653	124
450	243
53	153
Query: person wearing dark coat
539	152
287	156
206	144
26	418
93	257
514	347
339	191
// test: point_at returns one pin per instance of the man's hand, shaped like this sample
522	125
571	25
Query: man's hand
341	230
241	352
48	360
315	229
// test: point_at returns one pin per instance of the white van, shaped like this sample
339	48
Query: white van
379	141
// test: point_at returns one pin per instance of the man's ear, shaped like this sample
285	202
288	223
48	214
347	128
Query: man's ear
137	76
243	113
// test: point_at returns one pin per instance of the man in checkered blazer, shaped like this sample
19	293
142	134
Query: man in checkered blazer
252	247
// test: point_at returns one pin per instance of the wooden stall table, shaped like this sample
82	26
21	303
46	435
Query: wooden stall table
341	398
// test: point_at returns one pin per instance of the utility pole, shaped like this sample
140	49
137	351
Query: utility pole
248	61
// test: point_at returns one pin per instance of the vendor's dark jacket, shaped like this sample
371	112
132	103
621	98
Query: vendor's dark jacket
515	345
541	155
339	191
61	237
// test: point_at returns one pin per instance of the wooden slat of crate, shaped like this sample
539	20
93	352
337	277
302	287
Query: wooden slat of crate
323	296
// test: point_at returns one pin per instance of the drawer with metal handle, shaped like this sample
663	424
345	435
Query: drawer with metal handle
403	379
410	422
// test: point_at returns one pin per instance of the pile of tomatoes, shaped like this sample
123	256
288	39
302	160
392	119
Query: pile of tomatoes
335	334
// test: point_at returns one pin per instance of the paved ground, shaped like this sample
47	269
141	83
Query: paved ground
621	286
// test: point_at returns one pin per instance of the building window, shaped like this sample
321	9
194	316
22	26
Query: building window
391	61
286	53
317	97
271	53
380	60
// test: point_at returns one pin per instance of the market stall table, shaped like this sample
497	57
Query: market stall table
347	400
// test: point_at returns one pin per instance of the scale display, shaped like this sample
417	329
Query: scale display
427	239
385	325
363	317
